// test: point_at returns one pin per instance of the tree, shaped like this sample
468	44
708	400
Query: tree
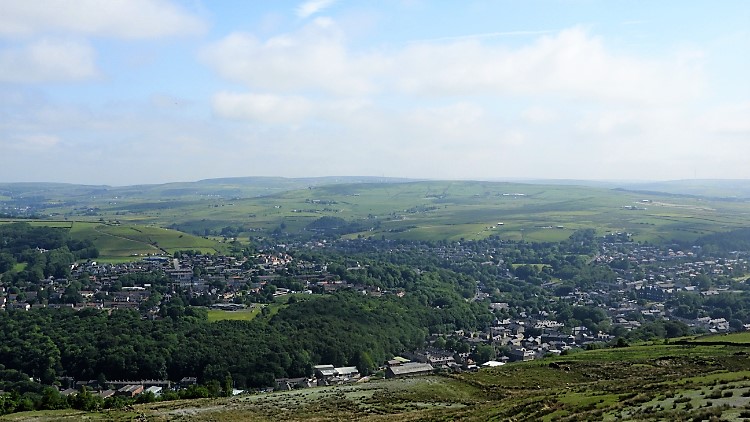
484	353
228	386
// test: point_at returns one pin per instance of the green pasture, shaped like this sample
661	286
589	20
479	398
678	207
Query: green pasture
122	242
742	337
239	315
44	223
430	210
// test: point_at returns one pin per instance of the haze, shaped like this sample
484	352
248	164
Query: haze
139	91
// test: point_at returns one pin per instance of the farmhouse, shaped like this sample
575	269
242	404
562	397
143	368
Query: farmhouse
408	369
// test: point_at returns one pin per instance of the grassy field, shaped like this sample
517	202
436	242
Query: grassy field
742	338
122	242
431	210
241	315
434	210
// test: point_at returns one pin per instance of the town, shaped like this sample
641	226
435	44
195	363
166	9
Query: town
643	284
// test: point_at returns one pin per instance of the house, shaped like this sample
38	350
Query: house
129	391
286	384
69	392
155	390
187	381
347	372
521	354
325	371
408	369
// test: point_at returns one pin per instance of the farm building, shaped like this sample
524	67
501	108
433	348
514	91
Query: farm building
408	369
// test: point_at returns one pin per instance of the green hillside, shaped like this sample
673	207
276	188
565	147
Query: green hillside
452	210
425	210
118	242
676	382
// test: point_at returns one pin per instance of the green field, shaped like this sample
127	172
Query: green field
241	315
741	338
122	242
429	211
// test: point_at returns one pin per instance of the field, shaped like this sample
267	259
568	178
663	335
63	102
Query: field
240	315
122	242
426	210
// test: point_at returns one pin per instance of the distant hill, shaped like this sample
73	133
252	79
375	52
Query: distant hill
242	187
665	212
711	188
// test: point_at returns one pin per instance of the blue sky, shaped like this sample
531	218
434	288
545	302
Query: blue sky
140	91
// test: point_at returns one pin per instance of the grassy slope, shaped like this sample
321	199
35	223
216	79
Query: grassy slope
645	382
118	242
448	210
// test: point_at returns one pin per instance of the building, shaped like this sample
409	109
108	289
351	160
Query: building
408	370
129	391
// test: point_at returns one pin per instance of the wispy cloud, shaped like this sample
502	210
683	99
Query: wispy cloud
485	35
126	19
312	7
48	61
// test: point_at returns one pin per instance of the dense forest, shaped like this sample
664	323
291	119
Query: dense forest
339	329
344	328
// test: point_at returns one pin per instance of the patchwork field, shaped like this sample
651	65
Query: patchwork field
129	222
426	210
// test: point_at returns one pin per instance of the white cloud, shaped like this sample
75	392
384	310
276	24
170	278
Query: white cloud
570	64
540	115
312	7
261	107
48	60
130	19
313	59
457	123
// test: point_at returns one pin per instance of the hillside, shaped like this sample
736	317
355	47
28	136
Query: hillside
118	242
674	382
426	210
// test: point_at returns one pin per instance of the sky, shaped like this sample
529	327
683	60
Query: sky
125	92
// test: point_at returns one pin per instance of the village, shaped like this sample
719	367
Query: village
650	277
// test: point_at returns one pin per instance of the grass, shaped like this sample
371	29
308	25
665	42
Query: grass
125	242
430	211
743	337
240	315
71	415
